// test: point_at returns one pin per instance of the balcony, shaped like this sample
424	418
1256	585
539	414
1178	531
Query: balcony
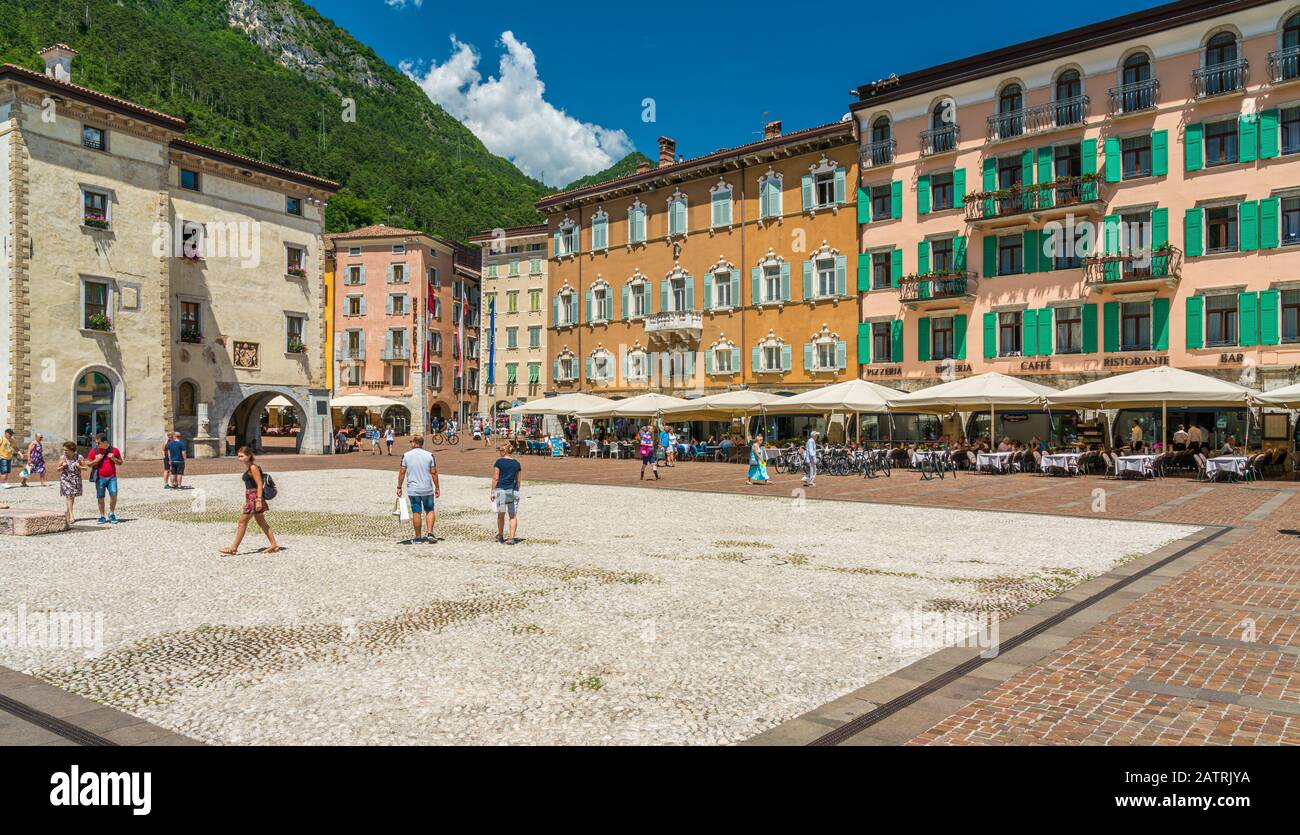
675	326
1162	265
396	353
940	140
1064	193
1065	113
1135	97
1221	79
945	286
877	153
1284	65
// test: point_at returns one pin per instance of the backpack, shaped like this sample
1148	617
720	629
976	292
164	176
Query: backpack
269	490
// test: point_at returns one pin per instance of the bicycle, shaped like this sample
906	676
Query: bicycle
875	463
440	438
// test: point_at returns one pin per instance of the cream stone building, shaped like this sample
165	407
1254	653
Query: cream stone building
149	282
514	276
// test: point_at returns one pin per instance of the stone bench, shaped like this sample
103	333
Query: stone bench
28	522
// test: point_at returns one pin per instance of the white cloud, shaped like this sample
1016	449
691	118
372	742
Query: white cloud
402	4
511	116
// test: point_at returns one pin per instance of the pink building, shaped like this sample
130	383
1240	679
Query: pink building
1118	196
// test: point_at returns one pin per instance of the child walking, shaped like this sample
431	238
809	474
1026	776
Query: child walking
71	466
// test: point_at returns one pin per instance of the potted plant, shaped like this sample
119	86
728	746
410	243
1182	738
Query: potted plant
99	322
296	346
95	220
297	271
190	333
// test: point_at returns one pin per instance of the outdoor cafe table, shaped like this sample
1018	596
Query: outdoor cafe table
1136	464
993	461
1232	466
923	455
1067	461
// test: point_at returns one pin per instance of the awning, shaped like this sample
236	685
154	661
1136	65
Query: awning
645	405
1287	398
972	394
1154	388
853	396
727	405
363	401
565	404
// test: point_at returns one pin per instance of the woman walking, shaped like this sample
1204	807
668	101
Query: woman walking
757	462
647	442
254	505
71	466
36	459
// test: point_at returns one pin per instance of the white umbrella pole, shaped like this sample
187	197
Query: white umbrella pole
1164	424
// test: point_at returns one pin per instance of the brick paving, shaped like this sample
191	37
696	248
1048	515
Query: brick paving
1209	654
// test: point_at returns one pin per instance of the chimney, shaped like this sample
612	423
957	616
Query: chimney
642	167
667	151
772	130
58	61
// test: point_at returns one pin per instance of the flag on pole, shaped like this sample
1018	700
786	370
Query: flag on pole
492	341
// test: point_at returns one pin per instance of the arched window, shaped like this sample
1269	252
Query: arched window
1221	49
94	408
882	141
1137	68
187	400
942	136
1069	98
1222	72
1291	32
1011	115
1137	90
1285	65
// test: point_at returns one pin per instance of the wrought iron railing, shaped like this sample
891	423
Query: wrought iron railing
950	285
1284	65
1165	262
940	140
878	153
1221	79
1066	191
1057	114
1134	97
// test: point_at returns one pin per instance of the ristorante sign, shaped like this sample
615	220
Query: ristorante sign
1135	362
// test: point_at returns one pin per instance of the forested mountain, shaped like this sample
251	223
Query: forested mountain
271	79
627	165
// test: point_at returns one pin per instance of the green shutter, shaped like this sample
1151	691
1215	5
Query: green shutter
1089	154
896	199
1193	235
864	205
1110	245
923	339
1114	170
1045	162
1027	167
990	255
864	343
1193	152
958	186
1110	327
864	272
1029	332
896	267
990	184
1269	317
1033	250
1159	228
990	336
923	257
959	335
1247	137
1159	152
1160	324
1249	307
1090	328
1046	343
959	253
1269	208
898	340
1195	322
1268	144
923	194
1248	226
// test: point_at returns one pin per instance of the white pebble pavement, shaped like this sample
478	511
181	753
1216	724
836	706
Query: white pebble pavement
626	617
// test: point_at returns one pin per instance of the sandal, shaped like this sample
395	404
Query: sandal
229	552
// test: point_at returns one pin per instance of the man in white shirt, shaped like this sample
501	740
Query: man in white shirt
1181	437
810	454
420	472
1194	437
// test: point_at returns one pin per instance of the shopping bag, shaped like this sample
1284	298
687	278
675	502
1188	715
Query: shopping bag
404	509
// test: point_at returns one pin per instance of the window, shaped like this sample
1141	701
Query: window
94	208
94	138
1221	229
1069	329
882	341
772	358
772	282
942	136
435	342
189	179
295	258
191	316
1221	143
1011	254
882	202
1290	118
1136	91
354	346
721	207
1291	315
1222	49
355	275
1221	320
638	365
1010	334
1290	221
941	192
1069	94
602	366
399	249
602	304
293	330
397	274
824	356
941	256
1136	155
599	237
187	399
722	289
824	189
397	305
354	306
564	316
882	146
397	374
534	336
293	205
636	224
677	294
352	375
534	300
1011	117
825	271
1068	162
769	191
677	216
354	251
1135	326
513	269
881	270
638	298
567	368
722	361
534	373
512	301
512	338
1066	248
95	305
943	345
1135	230
566	242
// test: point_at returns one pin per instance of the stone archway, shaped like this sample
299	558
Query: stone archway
242	425
98	405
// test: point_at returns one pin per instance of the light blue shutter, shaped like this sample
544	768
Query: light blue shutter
555	304
787	357
556	244
708	361
735	360
841	355
627	299
757	360
807	192
841	190
808	279
807	356
756	279
590	295
735	292
841	275
363	275
664	295
555	370
690	292
388	305
708	291
785	281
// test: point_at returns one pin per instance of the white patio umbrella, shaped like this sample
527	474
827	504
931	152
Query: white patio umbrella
1163	386
564	404
983	391
644	405
1287	398
727	405
854	397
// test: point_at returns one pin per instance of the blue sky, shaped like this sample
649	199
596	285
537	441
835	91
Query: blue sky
568	99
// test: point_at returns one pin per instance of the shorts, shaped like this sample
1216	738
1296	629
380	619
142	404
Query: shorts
4	467
507	501
421	504
105	485
647	458
178	468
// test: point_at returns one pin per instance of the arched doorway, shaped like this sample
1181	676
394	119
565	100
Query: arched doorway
248	423
398	418
95	409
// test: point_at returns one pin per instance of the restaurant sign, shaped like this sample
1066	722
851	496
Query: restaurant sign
949	368
1232	359
1135	362
1036	365
891	371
